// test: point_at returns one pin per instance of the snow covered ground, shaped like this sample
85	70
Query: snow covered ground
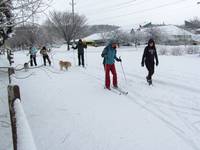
72	110
5	129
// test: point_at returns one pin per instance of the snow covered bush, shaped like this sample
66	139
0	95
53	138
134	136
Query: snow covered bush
6	22
162	51
192	49
177	51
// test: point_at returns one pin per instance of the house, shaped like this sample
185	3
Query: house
97	39
169	34
192	26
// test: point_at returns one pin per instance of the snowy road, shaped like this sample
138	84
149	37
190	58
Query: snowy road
71	109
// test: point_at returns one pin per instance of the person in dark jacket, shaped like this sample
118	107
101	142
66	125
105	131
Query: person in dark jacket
109	55
80	46
149	55
45	55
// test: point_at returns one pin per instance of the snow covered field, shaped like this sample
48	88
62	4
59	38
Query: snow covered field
72	110
5	129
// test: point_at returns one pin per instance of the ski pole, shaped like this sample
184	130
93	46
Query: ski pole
86	57
74	55
123	71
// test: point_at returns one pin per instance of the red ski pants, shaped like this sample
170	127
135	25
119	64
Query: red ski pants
108	68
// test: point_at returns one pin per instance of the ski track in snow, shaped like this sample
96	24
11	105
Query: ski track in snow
164	116
172	105
154	105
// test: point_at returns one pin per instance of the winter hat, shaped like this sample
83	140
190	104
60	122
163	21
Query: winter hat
112	41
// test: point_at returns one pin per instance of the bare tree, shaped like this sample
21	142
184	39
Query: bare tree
137	37
16	12
26	35
154	33
120	36
105	36
195	22
62	22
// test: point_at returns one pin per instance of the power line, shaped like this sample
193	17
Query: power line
130	5
142	11
111	6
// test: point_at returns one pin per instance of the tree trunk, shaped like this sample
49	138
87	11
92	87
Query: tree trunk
68	47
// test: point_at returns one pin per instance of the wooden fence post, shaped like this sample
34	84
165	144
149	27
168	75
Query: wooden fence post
10	72
13	94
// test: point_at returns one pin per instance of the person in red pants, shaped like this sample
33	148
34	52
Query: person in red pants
109	55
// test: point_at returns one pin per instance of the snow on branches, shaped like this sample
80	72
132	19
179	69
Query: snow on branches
16	12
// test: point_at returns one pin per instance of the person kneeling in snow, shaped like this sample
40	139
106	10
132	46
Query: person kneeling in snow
109	54
148	57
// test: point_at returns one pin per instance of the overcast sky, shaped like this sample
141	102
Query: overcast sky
127	13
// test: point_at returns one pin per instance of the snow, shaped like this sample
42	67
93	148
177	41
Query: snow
173	30
24	136
71	109
94	37
5	129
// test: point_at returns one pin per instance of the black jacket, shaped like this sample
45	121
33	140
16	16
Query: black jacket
80	46
149	55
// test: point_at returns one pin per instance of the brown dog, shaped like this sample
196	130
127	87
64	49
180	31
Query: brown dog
65	64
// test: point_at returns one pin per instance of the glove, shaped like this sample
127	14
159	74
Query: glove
157	63
142	64
102	55
119	59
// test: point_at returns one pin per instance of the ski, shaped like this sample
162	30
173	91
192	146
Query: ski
121	91
113	91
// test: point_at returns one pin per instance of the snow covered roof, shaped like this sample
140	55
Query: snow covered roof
198	29
170	30
94	37
173	30
196	38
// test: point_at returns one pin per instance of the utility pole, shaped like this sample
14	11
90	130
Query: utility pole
73	18
33	14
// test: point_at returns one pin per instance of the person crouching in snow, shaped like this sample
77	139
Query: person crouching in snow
45	55
149	55
109	55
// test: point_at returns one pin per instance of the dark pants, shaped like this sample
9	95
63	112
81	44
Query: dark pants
46	57
33	59
110	68
150	68
81	59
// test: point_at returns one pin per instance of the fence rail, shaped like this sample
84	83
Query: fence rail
21	132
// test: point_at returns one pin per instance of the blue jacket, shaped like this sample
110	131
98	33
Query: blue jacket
109	55
33	50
